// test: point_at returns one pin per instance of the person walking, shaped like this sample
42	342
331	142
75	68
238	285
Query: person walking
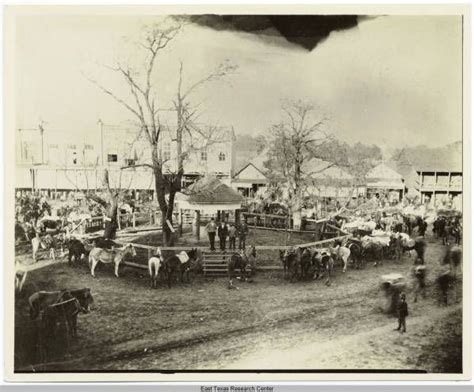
420	276
222	233
232	234
402	308
211	228
422	228
243	231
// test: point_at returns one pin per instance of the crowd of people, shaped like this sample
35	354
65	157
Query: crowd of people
227	231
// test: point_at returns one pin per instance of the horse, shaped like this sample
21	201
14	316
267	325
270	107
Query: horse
411	222
341	253
250	255
305	262
106	257
154	264
237	261
47	242
292	261
76	250
316	264
372	251
179	263
355	249
63	305
409	244
327	264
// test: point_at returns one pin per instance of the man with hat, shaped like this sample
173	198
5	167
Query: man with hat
402	308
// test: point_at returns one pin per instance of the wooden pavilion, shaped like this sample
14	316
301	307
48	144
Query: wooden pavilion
211	197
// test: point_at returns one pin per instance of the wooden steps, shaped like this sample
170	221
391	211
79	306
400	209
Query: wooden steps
215	263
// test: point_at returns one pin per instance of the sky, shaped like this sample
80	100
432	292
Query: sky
391	80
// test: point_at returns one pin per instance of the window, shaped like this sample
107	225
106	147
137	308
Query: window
221	156
166	151
112	158
71	146
88	147
203	155
130	162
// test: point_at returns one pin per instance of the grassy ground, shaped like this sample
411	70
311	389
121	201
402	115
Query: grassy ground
268	323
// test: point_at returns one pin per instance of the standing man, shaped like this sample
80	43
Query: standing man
211	232
232	234
243	231
422	228
222	233
402	314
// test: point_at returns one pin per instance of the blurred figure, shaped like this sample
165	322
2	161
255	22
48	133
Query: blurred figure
419	273
445	282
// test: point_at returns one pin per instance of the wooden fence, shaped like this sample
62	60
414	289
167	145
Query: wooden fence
146	251
282	222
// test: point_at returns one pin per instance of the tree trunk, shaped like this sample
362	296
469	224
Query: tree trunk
111	225
160	189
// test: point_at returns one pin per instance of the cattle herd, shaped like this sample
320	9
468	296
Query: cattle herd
369	240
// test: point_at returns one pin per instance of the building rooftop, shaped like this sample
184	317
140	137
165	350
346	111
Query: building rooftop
384	172
209	190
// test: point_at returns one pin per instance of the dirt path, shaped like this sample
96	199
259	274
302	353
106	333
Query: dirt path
269	323
378	348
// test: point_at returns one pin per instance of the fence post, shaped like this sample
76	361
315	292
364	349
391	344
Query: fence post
180	223
118	220
134	220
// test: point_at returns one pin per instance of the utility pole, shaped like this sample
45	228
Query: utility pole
42	141
101	141
21	145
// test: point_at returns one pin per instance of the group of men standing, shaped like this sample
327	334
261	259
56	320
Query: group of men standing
227	230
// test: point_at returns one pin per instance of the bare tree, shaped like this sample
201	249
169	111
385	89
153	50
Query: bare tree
145	95
295	146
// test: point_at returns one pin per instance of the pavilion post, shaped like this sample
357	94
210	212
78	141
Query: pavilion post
197	224
218	215
180	223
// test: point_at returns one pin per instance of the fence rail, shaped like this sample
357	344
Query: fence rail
343	235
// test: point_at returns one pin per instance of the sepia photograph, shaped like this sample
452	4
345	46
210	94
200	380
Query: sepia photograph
237	190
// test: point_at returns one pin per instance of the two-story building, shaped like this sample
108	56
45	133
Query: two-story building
63	161
437	184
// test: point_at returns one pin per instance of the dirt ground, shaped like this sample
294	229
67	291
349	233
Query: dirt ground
267	324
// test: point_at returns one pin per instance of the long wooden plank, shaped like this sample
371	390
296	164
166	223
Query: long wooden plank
258	247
